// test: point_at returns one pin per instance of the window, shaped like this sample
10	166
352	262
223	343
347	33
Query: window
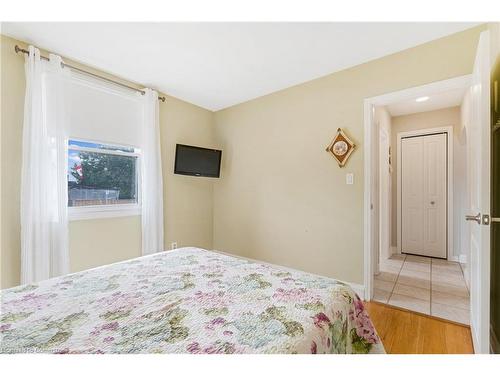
103	180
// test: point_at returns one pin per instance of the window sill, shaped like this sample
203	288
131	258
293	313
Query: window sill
102	212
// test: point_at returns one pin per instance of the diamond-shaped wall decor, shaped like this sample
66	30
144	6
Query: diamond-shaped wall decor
341	147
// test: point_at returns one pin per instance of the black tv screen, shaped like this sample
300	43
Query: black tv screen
197	161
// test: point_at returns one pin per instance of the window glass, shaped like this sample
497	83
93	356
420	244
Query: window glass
100	174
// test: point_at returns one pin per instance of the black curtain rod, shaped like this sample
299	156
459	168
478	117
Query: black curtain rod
22	50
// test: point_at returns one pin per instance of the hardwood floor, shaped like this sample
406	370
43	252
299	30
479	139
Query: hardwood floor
406	332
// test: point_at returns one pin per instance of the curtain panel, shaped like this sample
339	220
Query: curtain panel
44	218
151	176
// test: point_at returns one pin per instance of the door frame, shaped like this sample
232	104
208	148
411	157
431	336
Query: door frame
369	122
449	182
385	195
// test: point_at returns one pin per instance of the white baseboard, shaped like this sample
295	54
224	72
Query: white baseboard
358	289
462	258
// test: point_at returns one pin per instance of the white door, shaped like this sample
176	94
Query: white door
423	195
478	161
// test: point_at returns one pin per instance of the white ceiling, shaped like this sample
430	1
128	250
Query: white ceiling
217	65
446	99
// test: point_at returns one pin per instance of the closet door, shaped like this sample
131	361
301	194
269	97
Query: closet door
423	195
435	197
412	195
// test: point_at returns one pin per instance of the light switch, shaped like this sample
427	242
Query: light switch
349	178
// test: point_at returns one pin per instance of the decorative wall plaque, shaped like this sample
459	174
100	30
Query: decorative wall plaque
341	147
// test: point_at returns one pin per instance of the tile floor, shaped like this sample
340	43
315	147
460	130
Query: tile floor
431	286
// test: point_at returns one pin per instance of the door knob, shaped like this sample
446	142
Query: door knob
432	202
476	218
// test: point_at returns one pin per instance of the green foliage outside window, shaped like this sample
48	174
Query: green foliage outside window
105	171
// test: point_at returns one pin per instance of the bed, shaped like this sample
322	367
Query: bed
187	300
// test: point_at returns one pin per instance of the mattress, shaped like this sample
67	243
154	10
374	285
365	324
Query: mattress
188	300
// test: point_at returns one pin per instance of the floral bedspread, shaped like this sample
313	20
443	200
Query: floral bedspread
186	301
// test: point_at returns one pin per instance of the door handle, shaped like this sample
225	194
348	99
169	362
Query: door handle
476	218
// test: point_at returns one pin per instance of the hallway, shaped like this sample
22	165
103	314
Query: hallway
430	286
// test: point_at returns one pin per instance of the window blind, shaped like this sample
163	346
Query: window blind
100	111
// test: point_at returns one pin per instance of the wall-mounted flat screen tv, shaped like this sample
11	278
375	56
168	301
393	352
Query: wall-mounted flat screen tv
197	161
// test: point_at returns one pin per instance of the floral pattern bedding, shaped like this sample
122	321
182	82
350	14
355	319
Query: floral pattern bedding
186	301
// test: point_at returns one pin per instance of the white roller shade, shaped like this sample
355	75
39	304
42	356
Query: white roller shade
103	112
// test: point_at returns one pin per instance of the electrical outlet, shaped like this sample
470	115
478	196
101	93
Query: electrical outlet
173	245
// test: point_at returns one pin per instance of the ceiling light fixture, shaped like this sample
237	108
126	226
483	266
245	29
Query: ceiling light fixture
422	99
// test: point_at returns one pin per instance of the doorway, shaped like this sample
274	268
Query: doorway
418	160
475	232
424	270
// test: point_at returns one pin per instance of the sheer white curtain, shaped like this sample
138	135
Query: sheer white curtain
151	176
44	221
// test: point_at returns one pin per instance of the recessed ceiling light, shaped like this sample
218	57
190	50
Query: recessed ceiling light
422	99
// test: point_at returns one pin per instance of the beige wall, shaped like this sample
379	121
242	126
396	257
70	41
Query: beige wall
12	92
282	198
434	119
188	201
93	243
494	29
